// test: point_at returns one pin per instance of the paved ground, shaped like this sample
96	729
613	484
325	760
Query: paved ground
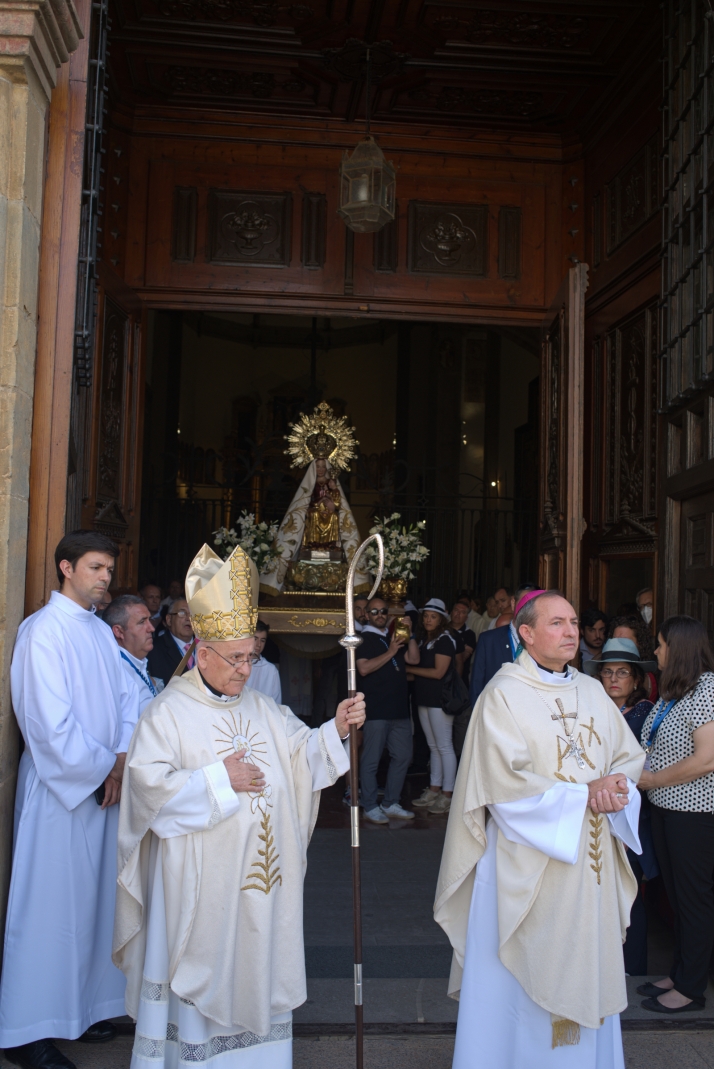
690	1050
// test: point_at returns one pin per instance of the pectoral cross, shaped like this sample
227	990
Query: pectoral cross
572	749
563	716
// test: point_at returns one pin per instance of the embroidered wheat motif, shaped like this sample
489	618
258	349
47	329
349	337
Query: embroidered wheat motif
595	851
268	873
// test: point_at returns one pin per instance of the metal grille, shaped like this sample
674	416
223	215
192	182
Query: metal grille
688	188
90	230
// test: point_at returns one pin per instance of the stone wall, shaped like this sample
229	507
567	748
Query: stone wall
36	38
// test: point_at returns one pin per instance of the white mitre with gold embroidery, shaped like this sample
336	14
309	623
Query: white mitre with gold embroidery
222	595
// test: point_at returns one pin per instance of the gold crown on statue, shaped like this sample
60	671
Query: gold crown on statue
321	436
222	595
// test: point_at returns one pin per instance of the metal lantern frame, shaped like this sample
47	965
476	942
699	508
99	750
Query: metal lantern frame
367	181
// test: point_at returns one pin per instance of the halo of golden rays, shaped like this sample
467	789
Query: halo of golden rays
238	737
323	422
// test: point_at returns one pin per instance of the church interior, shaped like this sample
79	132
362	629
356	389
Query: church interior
446	419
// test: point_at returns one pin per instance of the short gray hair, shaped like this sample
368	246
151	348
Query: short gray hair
528	614
118	612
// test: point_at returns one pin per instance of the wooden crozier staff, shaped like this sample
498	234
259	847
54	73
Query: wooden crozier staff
350	641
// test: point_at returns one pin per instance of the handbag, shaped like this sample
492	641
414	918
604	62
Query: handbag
454	695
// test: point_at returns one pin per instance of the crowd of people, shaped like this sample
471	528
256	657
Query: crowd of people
109	696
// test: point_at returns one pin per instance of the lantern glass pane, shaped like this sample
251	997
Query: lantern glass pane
359	193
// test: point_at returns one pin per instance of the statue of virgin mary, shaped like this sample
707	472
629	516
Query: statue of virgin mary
319	517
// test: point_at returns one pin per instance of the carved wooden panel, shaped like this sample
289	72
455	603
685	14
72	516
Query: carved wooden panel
249	228
596	231
697	559
349	262
112	489
386	249
448	239
468	61
630	415
183	238
111	403
561	447
497	27
632	196
445	183
509	242
314	211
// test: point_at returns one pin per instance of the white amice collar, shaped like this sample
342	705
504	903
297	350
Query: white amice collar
553	677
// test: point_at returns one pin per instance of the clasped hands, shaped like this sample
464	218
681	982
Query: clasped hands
609	794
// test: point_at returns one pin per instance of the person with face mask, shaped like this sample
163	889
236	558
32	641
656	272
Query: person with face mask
645	604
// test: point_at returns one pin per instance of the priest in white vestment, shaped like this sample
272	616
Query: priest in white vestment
221	790
76	709
535	888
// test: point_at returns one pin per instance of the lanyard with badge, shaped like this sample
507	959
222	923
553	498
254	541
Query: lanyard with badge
140	674
659	717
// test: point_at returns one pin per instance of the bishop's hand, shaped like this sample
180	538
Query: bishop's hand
608	794
243	775
350	711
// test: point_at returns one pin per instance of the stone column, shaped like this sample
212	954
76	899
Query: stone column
36	38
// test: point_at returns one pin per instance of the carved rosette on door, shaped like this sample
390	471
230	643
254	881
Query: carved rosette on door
249	227
448	240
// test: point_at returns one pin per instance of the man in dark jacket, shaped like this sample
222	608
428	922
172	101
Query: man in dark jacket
494	648
171	645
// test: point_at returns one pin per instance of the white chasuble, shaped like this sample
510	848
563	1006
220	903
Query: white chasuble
76	710
535	889
209	926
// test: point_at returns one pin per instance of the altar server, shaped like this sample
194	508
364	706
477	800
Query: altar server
264	676
76	711
220	796
535	888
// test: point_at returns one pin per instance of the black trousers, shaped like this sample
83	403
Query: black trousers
635	946
684	844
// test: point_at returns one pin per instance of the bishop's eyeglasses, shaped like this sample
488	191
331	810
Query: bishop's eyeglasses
239	660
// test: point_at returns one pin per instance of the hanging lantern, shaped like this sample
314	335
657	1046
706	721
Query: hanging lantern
367	188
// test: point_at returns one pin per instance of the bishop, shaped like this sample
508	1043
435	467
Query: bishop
220	797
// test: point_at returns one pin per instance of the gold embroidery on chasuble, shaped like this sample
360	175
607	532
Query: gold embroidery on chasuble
595	851
234	736
577	747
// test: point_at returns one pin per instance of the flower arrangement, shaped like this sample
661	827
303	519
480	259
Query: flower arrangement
404	551
257	539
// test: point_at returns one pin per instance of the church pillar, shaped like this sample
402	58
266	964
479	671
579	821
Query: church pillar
36	39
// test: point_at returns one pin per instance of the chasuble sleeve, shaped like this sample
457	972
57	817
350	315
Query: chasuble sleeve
69	761
551	822
205	800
